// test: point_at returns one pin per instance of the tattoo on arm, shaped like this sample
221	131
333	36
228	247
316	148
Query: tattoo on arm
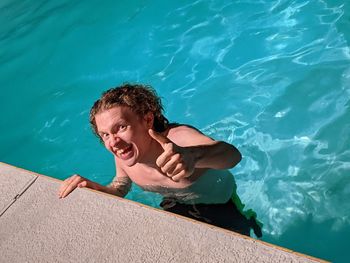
121	185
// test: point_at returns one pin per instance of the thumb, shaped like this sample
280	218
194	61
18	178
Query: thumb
82	184
162	140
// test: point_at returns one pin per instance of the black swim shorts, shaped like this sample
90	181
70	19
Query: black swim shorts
222	215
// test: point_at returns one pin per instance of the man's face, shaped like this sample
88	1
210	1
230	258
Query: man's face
124	133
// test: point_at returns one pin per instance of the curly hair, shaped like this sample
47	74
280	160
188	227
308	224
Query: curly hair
141	99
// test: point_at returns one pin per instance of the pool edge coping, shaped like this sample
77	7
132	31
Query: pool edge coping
215	228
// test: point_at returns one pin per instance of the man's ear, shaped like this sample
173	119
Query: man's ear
149	118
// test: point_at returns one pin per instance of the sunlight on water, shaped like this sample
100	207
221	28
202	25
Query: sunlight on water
271	77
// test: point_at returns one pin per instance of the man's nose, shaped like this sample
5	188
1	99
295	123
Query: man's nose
114	139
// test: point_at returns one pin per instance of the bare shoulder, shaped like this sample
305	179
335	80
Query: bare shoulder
186	135
120	169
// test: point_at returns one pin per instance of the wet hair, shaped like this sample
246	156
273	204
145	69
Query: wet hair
141	99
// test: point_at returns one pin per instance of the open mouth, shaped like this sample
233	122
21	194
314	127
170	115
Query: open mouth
125	152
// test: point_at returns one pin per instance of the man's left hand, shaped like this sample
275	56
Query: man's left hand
175	162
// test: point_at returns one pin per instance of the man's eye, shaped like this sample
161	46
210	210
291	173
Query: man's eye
105	136
122	127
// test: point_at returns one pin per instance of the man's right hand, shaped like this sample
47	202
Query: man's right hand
71	183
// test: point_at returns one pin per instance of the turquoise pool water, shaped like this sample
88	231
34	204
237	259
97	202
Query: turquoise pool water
271	77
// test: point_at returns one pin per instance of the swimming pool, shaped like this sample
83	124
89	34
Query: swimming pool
271	77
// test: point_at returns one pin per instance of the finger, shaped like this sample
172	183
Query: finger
82	184
65	184
162	140
178	168
68	190
166	155
179	176
171	164
63	187
73	184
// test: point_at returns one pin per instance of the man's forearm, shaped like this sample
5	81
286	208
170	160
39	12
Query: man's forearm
115	188
219	155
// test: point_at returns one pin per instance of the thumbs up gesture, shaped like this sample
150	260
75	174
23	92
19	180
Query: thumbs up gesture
175	162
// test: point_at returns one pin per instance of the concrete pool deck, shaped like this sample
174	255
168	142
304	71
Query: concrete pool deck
88	226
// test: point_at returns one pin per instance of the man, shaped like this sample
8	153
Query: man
188	168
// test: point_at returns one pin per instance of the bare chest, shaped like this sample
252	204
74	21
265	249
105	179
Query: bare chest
149	176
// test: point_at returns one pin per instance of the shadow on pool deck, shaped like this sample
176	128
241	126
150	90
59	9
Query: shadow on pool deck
36	226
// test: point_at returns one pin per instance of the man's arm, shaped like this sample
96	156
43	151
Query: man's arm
217	155
207	152
120	186
186	148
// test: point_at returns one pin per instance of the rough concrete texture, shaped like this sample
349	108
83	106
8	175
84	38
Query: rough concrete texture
12	184
92	227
